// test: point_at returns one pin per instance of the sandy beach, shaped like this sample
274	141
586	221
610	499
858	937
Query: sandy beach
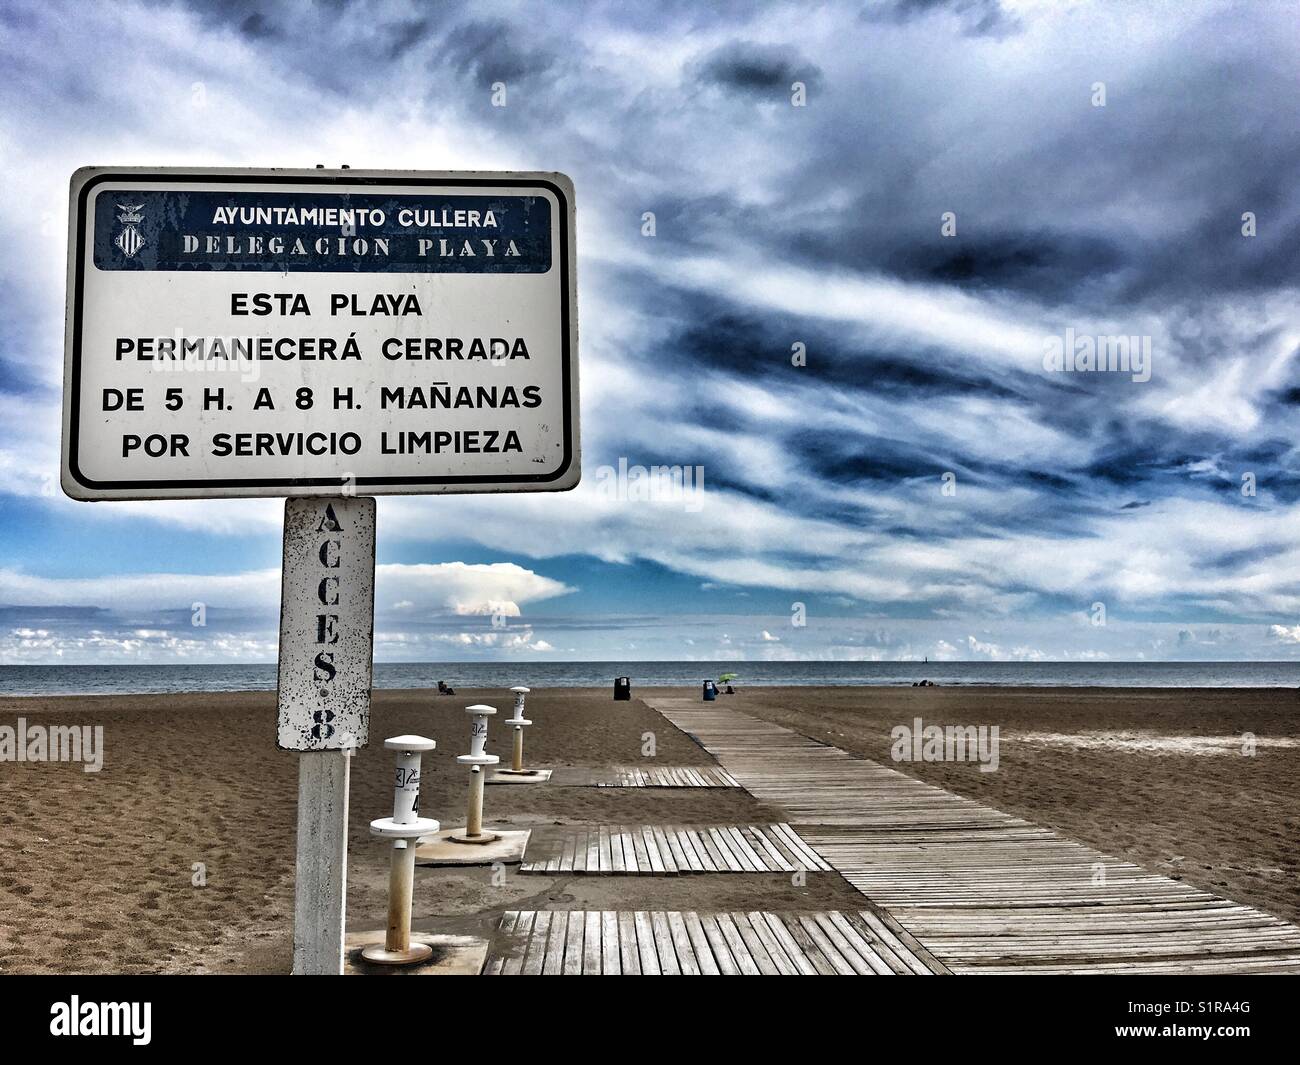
99	869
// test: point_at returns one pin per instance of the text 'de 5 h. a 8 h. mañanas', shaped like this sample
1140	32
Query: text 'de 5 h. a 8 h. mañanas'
282	332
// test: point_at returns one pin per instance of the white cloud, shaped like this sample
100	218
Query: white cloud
1285	633
424	589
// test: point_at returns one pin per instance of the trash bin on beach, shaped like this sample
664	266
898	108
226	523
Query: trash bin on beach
710	691
622	689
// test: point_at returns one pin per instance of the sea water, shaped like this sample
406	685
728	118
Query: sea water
133	679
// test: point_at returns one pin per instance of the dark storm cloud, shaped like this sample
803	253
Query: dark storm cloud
978	18
1131	463
751	342
875	460
257	27
1233	560
255	19
492	50
1051	266
1046	263
406	35
769	70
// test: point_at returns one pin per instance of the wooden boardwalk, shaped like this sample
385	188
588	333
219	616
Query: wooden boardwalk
652	776
671	943
982	890
667	850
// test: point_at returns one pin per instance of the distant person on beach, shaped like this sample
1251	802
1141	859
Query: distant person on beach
444	690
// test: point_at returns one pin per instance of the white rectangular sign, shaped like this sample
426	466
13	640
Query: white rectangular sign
327	610
311	332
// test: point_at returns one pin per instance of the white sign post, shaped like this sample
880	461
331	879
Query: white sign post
330	335
327	604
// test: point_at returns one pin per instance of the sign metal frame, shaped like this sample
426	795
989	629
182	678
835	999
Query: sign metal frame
78	485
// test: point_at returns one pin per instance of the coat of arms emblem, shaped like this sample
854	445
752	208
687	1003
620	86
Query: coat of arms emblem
130	240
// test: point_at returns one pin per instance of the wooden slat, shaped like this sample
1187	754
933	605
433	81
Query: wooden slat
794	950
801	938
686	841
638	845
766	844
863	945
741	848
645	940
726	858
519	933
727	963
704	955
630	863
653	857
592	956
605	861
655	776
536	953
663	936
664	849
812	928
739	949
628	952
611	957
901	948
755	945
716	858
682	944
843	947
680	861
616	864
774	947
667	850
554	963
581	850
573	943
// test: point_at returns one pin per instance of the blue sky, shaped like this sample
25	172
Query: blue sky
925	485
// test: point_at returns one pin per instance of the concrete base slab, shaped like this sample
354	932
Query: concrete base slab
452	955
504	776
439	849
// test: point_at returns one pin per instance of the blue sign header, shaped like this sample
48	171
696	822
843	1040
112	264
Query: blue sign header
321	232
